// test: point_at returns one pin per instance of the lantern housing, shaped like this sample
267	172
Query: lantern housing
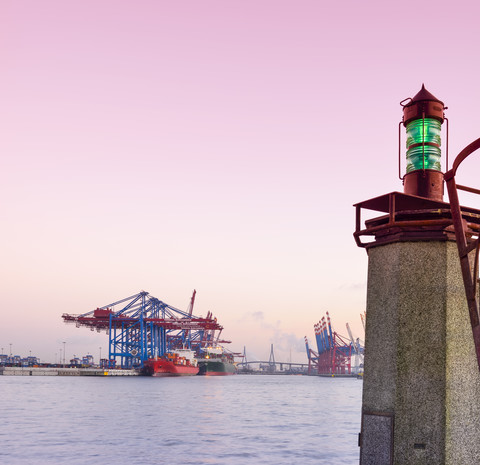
423	117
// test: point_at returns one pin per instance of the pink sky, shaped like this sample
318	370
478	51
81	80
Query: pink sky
166	146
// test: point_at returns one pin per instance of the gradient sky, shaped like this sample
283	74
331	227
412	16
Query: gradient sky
168	146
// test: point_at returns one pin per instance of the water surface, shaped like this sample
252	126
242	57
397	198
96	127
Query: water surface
233	420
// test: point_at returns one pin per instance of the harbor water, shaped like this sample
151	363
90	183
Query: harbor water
232	420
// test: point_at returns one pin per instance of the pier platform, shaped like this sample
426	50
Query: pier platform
57	371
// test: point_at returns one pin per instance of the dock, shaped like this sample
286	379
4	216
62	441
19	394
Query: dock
60	371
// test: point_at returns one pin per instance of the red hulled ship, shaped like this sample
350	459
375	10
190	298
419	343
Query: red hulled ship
180	362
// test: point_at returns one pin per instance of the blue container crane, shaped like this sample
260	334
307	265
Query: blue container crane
142	326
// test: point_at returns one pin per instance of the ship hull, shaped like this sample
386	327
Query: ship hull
216	368
163	368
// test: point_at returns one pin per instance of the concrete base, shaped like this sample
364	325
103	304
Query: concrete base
421	393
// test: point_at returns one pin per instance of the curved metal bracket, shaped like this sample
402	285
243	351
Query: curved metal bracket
468	150
465	244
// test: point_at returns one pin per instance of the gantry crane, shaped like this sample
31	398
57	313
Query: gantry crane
334	351
142	326
312	357
357	350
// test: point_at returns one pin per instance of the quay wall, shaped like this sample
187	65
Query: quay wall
56	371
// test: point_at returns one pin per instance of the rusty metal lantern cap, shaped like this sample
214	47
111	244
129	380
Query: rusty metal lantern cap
423	105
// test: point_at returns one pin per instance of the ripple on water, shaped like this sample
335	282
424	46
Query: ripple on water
235	420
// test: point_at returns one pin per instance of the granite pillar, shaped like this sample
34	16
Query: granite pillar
421	393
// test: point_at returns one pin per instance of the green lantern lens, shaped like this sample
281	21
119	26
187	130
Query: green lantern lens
424	132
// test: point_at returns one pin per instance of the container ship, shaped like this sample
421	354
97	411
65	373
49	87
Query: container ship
216	362
181	362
